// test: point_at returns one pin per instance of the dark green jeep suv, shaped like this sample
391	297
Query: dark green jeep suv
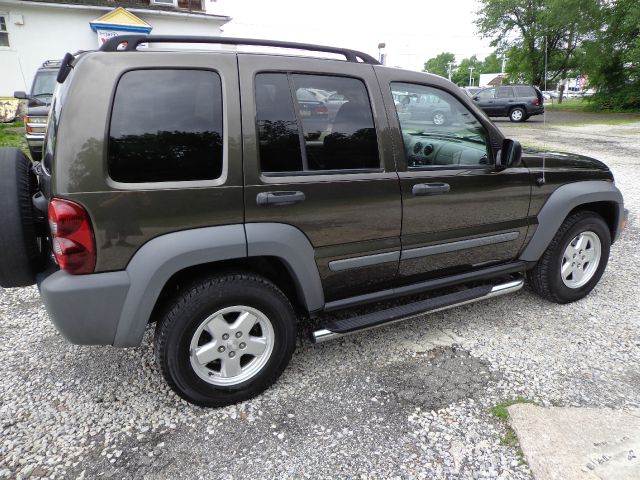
199	190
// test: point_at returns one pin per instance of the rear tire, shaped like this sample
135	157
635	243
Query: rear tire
439	118
20	256
225	339
565	274
517	115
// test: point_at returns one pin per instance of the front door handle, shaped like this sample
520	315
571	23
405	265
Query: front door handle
264	199
424	189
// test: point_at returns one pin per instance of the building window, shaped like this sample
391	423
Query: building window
4	35
164	2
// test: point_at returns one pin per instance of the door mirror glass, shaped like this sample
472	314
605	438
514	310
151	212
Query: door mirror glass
510	154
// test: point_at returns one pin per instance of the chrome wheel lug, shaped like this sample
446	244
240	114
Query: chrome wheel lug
243	345
221	349
225	336
238	334
232	354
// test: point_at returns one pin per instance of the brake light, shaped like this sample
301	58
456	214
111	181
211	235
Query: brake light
73	242
322	109
537	101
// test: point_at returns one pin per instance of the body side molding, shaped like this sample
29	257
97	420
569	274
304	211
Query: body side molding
458	245
560	203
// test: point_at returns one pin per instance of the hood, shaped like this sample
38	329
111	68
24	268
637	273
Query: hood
533	158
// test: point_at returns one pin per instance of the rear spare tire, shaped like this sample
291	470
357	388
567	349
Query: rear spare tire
20	257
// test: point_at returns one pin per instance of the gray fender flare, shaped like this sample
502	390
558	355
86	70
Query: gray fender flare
160	258
560	203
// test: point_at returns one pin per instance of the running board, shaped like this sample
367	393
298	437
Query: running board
340	328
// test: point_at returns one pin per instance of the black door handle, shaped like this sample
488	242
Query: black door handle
424	189
265	199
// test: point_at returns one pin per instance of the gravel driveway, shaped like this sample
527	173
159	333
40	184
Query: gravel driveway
409	400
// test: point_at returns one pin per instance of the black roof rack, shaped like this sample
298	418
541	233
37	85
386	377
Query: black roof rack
130	43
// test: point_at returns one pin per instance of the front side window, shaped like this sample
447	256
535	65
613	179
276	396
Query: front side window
166	125
446	135
314	123
4	34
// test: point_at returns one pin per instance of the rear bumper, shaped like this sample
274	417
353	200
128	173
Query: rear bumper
86	309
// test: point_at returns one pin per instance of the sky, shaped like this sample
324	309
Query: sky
413	31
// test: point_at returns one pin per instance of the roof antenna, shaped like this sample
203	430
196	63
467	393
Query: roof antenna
541	180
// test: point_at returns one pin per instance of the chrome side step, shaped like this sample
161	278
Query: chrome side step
340	328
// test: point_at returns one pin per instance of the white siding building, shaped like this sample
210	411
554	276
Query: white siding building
32	32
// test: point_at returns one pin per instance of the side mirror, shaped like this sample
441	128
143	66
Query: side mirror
20	95
510	155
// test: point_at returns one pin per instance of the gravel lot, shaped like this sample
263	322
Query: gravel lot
410	400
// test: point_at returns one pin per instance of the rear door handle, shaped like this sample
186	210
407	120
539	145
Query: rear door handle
424	189
264	199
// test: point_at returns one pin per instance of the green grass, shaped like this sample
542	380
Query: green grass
500	410
12	135
510	439
568	104
609	121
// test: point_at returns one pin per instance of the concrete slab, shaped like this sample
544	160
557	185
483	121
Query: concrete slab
579	443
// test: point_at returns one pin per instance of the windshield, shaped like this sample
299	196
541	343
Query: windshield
44	83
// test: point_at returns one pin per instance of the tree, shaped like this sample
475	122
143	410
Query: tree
492	64
524	29
613	56
461	75
439	65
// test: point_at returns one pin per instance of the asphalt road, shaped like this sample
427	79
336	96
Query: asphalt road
411	400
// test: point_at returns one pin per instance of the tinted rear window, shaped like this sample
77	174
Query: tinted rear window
525	91
166	125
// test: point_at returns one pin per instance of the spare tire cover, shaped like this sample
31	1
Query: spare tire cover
20	257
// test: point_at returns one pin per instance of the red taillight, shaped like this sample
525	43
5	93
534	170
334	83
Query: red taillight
537	101
322	109
72	238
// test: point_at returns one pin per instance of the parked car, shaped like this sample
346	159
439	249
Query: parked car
471	91
39	99
518	102
215	218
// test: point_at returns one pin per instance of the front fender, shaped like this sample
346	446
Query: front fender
561	202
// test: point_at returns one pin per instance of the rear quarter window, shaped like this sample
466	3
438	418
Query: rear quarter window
166	125
525	92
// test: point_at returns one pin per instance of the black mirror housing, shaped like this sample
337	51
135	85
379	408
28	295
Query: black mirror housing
19	94
510	154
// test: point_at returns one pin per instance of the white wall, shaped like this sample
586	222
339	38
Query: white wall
49	32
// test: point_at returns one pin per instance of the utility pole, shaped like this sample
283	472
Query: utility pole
450	65
471	69
504	61
381	45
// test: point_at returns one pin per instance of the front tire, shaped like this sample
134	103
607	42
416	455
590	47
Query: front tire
574	260
225	339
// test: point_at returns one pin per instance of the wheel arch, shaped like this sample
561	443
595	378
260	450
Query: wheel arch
600	196
270	249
